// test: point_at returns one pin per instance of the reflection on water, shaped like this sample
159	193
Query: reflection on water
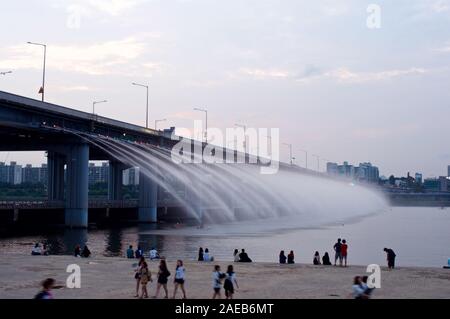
402	229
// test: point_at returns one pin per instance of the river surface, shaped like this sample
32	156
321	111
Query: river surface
419	236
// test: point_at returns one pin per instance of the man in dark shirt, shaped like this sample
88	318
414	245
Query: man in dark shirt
338	249
390	257
243	257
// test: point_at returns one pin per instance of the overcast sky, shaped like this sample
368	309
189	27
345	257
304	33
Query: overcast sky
311	68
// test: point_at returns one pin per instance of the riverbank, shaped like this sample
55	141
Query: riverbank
112	278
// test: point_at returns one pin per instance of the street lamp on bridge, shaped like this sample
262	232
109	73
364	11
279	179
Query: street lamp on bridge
318	161
42	89
206	114
306	157
144	86
291	159
95	103
159	121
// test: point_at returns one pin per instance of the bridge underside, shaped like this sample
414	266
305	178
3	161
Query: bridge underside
29	125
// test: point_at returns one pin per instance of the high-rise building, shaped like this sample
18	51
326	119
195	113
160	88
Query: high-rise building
30	174
98	174
418	178
365	172
131	176
332	169
14	174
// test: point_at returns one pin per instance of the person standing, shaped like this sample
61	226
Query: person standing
291	258
163	278
230	282
344	252
179	279
283	258
145	276
46	292
390	257
338	252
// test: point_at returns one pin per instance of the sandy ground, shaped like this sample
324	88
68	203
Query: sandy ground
113	278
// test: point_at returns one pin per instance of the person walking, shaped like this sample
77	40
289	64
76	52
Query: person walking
163	278
46	292
217	282
179	279
137	276
230	282
390	254
145	277
338	252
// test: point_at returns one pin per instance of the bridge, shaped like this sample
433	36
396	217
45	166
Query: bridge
30	125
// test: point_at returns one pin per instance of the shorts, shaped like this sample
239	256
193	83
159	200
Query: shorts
338	256
179	281
217	290
162	281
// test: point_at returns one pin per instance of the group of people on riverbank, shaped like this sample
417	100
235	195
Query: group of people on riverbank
38	251
139	253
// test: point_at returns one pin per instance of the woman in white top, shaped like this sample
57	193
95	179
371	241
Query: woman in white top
180	272
236	256
207	257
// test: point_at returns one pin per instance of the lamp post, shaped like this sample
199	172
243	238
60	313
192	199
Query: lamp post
206	126
318	162
159	121
306	158
4	73
144	86
245	136
290	152
42	90
95	103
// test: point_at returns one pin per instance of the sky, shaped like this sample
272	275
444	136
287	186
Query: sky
315	69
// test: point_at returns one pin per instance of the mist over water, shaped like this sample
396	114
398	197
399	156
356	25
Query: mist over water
238	195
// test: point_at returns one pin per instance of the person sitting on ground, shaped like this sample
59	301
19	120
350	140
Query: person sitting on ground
154	254
45	251
368	291
86	252
36	251
77	251
236	256
244	258
326	259
139	253
390	257
130	252
316	260
291	257
201	255
46	292
207	257
358	289
283	257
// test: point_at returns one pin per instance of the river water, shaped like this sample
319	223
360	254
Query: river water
419	236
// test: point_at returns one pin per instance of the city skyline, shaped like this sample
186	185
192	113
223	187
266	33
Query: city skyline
316	71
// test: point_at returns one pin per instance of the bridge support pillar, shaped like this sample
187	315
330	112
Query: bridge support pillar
115	180
55	164
148	200
76	214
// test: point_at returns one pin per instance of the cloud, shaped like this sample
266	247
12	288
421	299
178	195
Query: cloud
345	75
111	57
264	73
88	8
